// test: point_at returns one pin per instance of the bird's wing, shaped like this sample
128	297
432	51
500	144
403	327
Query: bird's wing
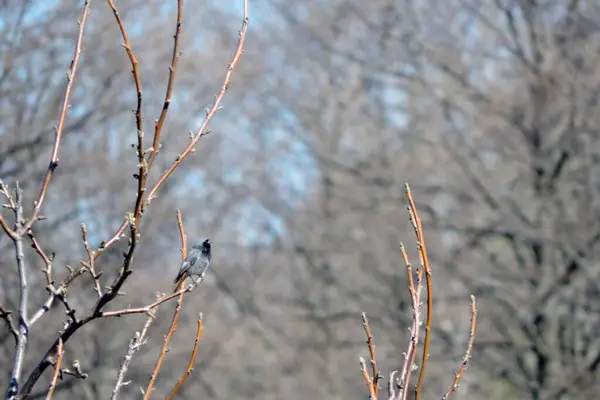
182	270
185	266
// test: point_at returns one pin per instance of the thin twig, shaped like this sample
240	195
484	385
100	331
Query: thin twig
367	378
5	315
172	68
54	293
119	234
411	352
425	261
47	261
4	191
142	165
371	345
91	266
210	113
58	131
59	358
182	234
190	366
149	307
138	340
467	357
165	346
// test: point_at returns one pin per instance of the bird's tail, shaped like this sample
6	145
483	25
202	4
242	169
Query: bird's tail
179	284
179	276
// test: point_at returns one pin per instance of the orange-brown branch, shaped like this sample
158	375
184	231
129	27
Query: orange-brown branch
425	262
190	366
375	382
467	357
59	358
165	346
210	113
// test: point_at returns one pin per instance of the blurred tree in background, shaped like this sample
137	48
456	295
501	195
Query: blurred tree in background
487	108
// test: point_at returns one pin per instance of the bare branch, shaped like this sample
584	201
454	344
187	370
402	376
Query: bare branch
23	329
58	131
4	191
172	68
165	346
59	358
142	165
371	345
367	378
414	216
47	261
91	267
132	220
411	352
467	357
5	315
138	340
149	307
190	367
210	113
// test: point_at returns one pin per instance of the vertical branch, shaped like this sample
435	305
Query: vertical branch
135	70
467	357
91	266
182	235
172	68
138	340
190	367
165	346
425	261
371	345
4	191
23	328
59	358
411	352
58	130
367	378
135	217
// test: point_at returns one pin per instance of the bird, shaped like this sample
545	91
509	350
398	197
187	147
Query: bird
197	261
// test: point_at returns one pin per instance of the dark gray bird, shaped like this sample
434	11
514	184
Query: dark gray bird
196	262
